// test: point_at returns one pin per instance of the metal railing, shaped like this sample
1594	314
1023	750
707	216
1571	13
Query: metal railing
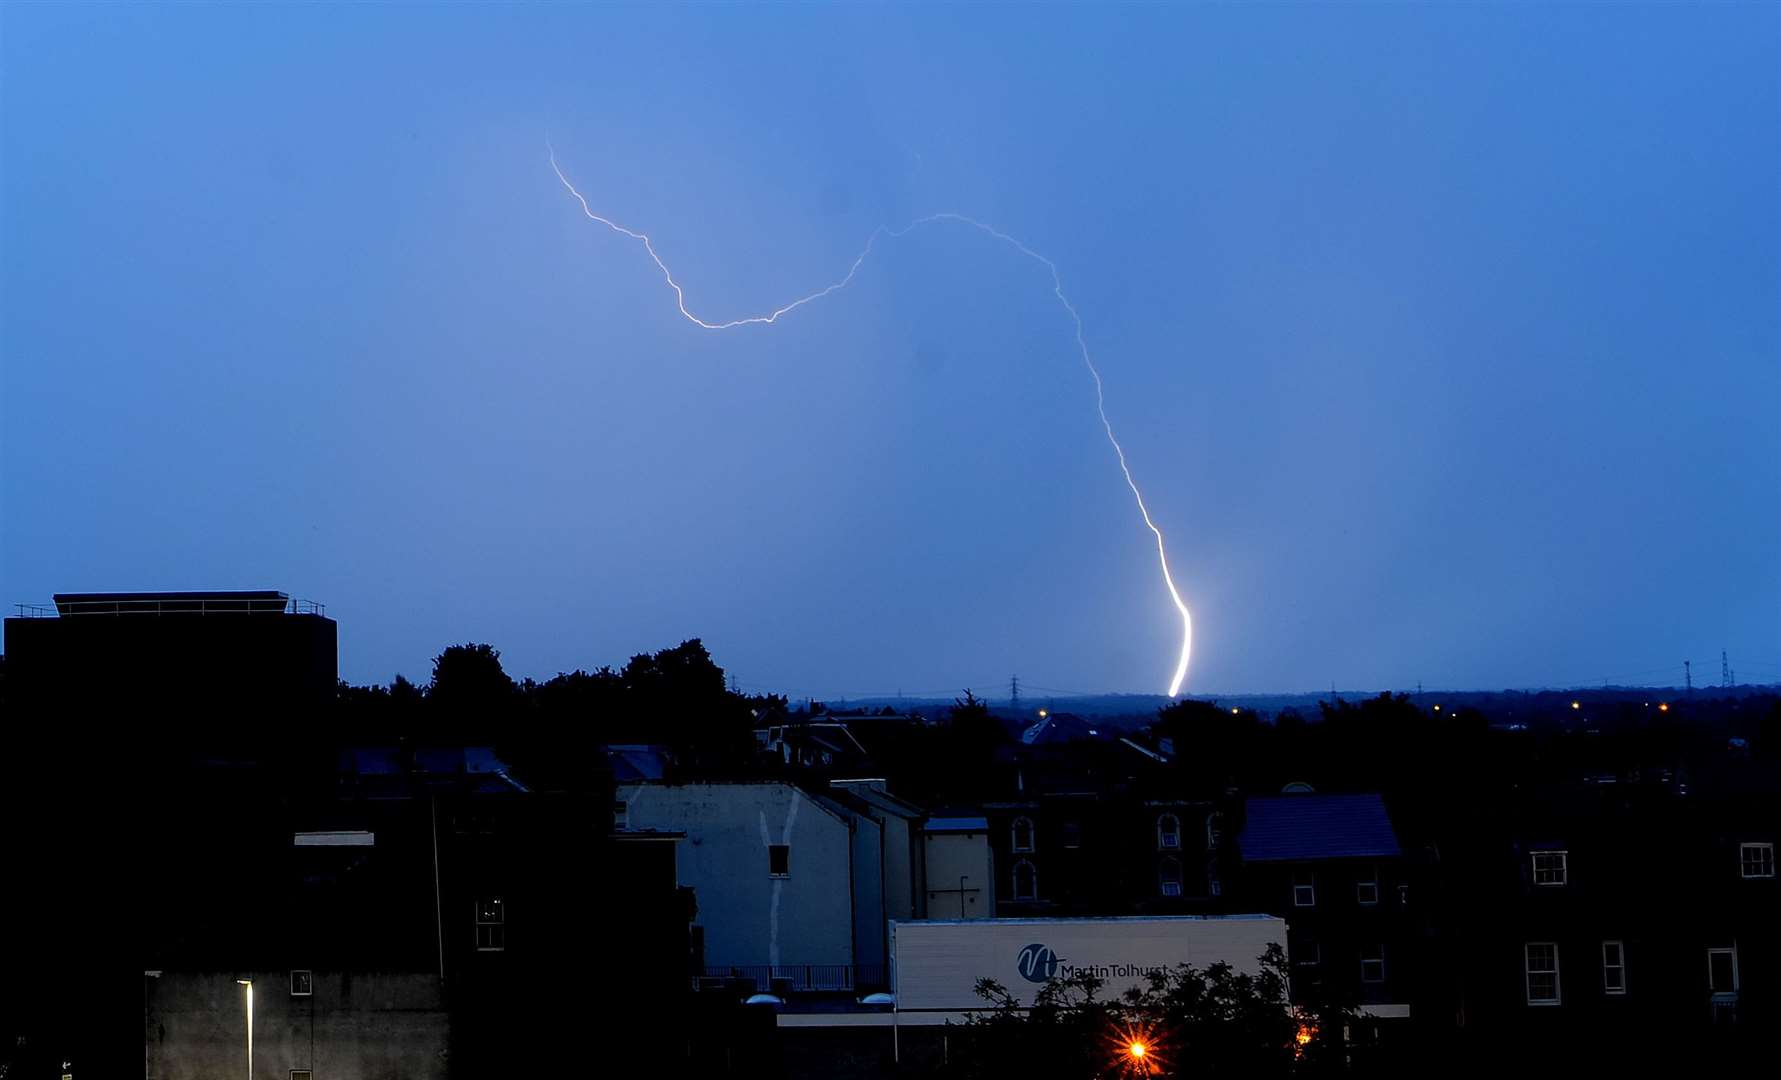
803	978
153	606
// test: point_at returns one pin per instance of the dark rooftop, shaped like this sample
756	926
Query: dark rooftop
1304	827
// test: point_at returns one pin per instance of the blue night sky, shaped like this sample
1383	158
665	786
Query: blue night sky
1443	340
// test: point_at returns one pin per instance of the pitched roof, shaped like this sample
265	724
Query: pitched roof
957	825
1303	827
631	763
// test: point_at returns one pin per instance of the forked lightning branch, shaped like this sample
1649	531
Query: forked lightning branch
1057	284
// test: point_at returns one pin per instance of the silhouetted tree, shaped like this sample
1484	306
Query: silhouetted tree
470	687
405	693
1214	747
1212	1022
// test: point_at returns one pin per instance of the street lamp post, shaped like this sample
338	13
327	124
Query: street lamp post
249	983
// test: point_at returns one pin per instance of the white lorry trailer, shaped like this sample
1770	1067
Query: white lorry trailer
936	964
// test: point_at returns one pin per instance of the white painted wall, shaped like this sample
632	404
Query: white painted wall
749	917
950	857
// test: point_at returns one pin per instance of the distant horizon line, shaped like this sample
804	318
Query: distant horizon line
1047	696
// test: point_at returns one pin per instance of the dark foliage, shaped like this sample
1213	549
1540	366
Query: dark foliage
1212	1022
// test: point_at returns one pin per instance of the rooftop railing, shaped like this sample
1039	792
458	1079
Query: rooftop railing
151	605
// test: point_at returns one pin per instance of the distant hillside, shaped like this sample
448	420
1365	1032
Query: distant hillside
1132	711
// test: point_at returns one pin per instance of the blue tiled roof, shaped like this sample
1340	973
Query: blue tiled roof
631	763
1304	827
957	824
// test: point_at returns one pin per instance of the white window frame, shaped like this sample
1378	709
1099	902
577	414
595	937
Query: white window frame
1031	894
1764	860
1366	893
1014	843
787	872
1529	971
1727	950
1379	960
1168	839
1617	967
1162	879
1308	954
308	981
1304	894
1563	871
497	939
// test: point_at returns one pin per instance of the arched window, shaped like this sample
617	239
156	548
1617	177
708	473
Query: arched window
1168	876
1026	881
1023	834
1168	832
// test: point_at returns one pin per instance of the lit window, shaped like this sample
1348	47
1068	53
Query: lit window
1168	832
1722	970
1072	834
1550	868
779	860
1168	876
1026	881
1366	890
1757	860
491	924
1304	889
1372	963
302	984
1023	834
1613	967
1542	973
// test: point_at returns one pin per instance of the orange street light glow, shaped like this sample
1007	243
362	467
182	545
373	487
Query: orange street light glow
1135	1051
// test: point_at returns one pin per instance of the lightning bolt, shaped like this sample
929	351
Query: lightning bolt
1057	288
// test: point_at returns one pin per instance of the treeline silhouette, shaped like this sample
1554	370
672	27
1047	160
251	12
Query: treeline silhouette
1430	762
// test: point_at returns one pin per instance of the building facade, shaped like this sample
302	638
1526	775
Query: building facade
791	882
1331	866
